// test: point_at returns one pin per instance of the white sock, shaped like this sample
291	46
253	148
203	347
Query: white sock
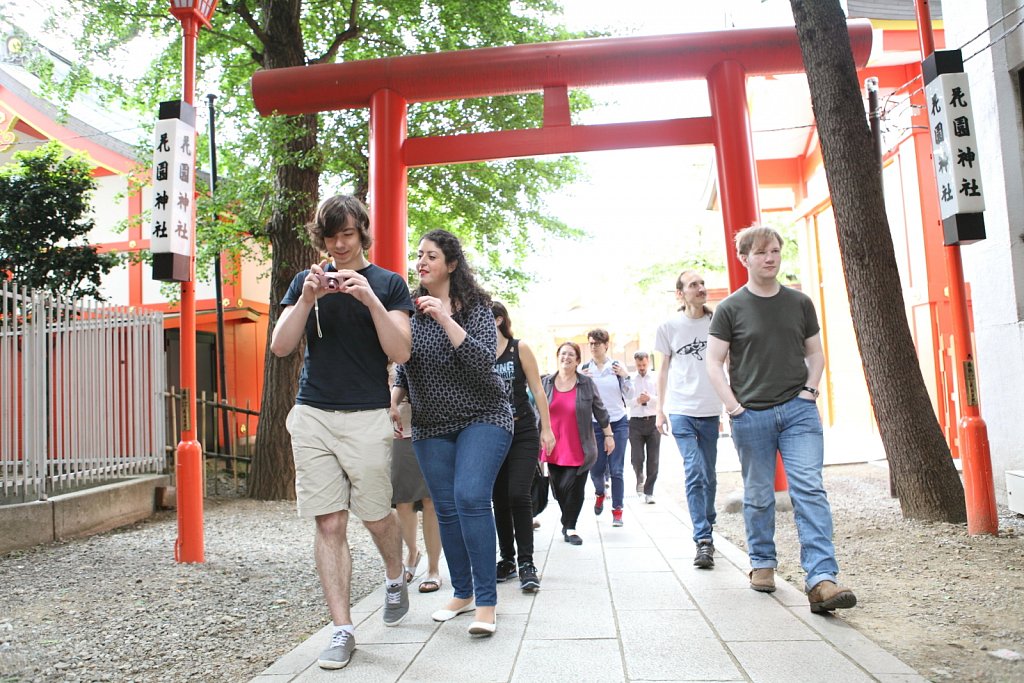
391	583
347	628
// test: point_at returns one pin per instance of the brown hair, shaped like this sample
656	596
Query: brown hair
499	311
680	285
574	346
332	216
598	335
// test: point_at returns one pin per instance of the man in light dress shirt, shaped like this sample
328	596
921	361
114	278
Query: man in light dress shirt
644	437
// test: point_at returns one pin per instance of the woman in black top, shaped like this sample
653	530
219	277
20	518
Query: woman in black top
513	504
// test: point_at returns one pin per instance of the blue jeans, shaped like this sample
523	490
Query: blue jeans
792	429
460	469
612	461
697	438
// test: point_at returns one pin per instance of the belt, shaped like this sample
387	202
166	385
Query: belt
644	417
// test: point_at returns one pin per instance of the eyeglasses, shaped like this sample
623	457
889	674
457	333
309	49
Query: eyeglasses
596	343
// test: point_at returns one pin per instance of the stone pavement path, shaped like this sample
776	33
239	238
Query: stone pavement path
627	605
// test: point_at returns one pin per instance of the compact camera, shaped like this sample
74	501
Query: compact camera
333	281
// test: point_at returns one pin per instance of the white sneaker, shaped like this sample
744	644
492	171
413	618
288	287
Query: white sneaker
649	500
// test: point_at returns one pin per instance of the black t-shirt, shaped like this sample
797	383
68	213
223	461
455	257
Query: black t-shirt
347	369
510	368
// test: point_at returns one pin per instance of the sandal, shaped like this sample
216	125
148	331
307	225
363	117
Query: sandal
410	570
429	585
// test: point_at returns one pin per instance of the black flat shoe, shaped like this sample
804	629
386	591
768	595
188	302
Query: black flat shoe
573	539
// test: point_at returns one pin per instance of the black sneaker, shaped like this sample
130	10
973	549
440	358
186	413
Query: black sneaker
528	580
506	570
705	558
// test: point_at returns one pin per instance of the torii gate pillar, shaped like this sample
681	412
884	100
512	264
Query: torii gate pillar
734	157
737	174
389	181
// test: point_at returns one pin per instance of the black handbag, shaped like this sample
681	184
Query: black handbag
539	490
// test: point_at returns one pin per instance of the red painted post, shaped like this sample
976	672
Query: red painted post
389	180
734	156
979	490
188	462
737	175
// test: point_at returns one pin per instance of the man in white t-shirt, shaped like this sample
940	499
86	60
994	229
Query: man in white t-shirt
689	405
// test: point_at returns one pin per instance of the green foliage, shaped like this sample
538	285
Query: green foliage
498	208
662	276
789	271
44	198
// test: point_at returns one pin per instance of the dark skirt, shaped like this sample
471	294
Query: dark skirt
407	481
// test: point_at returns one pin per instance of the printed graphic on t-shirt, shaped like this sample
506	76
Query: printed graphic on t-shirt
695	348
507	372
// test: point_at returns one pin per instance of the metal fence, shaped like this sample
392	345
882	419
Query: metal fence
82	393
227	455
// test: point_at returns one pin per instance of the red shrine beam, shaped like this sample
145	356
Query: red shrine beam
529	68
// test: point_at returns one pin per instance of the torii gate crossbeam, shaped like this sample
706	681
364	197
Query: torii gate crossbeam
386	86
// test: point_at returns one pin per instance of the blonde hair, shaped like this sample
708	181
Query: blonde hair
756	236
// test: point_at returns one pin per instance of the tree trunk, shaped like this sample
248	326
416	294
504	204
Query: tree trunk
295	163
928	484
272	474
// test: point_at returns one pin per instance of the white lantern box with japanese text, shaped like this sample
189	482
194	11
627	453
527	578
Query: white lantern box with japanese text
954	147
171	226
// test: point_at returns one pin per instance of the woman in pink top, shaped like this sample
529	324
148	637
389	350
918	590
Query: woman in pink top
573	403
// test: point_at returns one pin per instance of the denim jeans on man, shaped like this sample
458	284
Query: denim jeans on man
697	438
613	461
793	429
460	469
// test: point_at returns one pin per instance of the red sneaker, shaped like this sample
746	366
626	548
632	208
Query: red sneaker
617	517
599	505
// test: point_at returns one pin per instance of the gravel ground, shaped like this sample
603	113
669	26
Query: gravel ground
948	604
116	607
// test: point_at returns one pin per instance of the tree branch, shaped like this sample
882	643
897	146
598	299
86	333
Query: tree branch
349	33
241	8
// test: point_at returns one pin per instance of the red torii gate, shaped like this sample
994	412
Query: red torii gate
723	58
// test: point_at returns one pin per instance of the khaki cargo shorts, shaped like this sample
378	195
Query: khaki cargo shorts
342	461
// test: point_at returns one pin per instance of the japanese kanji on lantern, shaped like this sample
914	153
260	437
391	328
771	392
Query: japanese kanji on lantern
171	228
954	147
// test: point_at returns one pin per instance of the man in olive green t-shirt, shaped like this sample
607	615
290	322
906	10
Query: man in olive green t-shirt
770	335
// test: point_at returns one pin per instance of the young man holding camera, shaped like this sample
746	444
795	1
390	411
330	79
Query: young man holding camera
354	317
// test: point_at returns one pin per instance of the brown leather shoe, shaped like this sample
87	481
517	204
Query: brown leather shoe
763	579
827	596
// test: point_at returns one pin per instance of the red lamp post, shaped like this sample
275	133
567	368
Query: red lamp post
189	454
979	490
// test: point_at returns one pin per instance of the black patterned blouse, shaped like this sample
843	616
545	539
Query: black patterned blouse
451	388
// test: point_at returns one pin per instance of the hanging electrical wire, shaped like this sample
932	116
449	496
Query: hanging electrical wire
1001	37
992	26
